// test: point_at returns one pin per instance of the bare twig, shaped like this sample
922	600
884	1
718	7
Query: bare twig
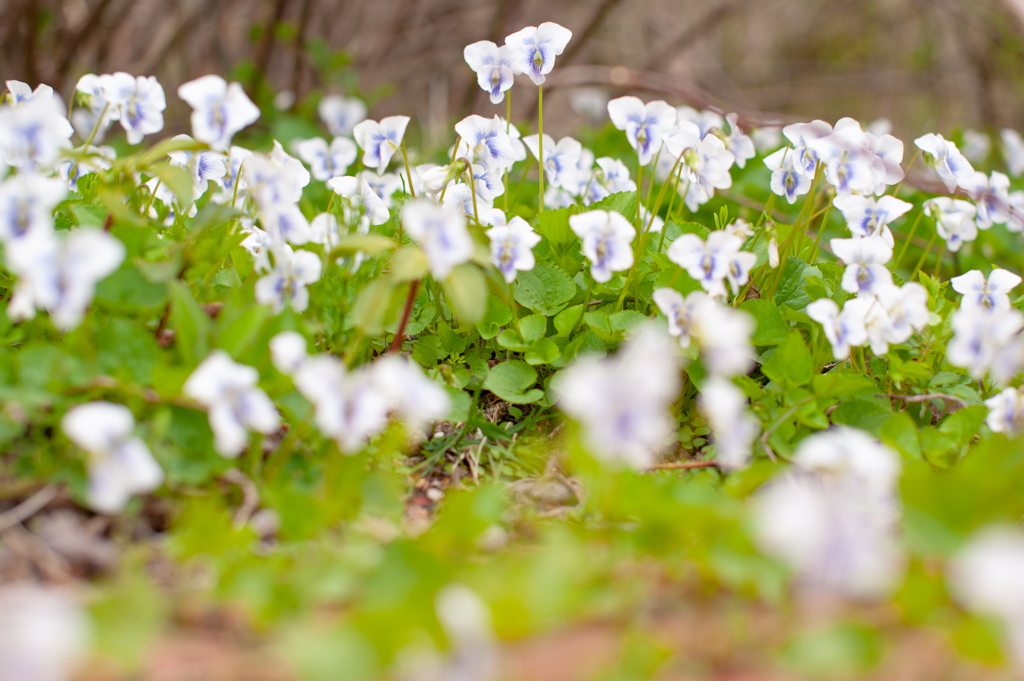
36	551
29	507
250	496
684	465
927	397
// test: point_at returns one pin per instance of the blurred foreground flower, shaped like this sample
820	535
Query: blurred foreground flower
43	634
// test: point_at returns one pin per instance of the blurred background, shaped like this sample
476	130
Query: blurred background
924	64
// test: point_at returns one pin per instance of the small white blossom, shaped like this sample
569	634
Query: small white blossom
348	406
487	141
646	125
234	402
711	262
361	197
32	135
865	258
441	233
1013	151
733	426
44	635
512	247
380	141
803	136
493	68
560	160
704	120
341	114
705	162
327	161
842	329
739	144
951	166
97	159
906	308
977	145
27	201
408	393
120	464
140	103
722	333
60	274
219	109
202	166
980	336
788	179
867	216
991	197
991	293
622	401
288	351
533	49
1006	412
607	241
954	220
286	284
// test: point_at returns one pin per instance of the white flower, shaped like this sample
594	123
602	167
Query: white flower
986	578
362	197
27	201
384	185
273	179
533	49
32	135
97	159
842	329
954	220
867	216
19	93
441	233
341	114
348	407
766	139
44	635
977	145
607	241
327	161
614	175
232	175
202	166
906	308
949	163
739	144
90	92
408	393
219	109
711	262
889	151
980	335
990	195
234	402
865	258
60	275
493	68
833	518
512	247
140	103
286	222
733	426
459	199
487	141
991	293
1006	412
788	179
120	464
286	284
288	351
1013	151
705	120
850	164
705	162
721	333
803	135
622	401
380	141
560	160
646	125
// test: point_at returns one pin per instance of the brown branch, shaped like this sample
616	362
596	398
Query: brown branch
396	344
28	508
583	37
691	34
684	465
250	496
927	397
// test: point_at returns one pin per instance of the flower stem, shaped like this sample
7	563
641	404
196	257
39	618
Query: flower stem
405	157
540	142
671	204
396	344
515	311
906	242
924	255
96	128
821	230
472	187
455	150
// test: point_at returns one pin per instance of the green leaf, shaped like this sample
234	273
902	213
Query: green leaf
371	305
126	351
600	323
466	290
498	315
791	290
553	225
451	342
790	365
511	382
622	202
243	331
771	328
370	244
939	449
543	351
625	321
128	289
868	414
963	424
408	263
545	289
88	216
533	327
177	180
567	319
900	433
191	324
839	383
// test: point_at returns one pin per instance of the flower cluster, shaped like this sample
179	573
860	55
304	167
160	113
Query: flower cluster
986	330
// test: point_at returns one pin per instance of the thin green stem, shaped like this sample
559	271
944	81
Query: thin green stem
455	151
405	157
821	230
924	255
472	186
540	142
671	204
906	242
96	128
